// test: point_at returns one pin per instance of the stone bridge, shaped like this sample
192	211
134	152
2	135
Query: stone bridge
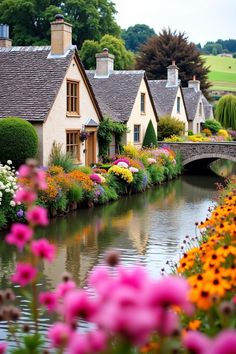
198	156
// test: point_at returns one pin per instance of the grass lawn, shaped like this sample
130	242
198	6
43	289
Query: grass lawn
223	72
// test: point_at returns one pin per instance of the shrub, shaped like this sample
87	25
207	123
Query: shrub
58	158
169	126
156	173
18	141
190	132
213	125
150	138
226	111
75	193
207	132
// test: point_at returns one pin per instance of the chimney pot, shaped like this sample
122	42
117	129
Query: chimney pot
105	50
59	18
173	62
172	75
194	77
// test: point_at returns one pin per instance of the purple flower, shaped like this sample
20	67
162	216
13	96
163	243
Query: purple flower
20	213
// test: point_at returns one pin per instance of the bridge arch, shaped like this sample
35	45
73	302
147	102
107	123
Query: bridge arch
209	157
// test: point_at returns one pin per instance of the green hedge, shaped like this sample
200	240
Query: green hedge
18	141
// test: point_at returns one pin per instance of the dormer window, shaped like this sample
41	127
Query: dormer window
72	106
143	103
200	109
178	104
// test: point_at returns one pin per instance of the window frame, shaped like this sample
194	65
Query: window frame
178	104
200	109
143	103
72	98
139	133
77	143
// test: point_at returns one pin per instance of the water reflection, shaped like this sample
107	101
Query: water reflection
223	168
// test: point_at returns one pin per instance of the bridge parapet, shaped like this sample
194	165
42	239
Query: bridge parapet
203	150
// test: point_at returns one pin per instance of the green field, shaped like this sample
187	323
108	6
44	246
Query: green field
223	72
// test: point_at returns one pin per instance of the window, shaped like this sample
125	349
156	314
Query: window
200	109
136	133
143	108
72	105
178	104
73	143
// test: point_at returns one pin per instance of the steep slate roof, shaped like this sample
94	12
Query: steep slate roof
30	81
116	93
191	98
164	97
208	109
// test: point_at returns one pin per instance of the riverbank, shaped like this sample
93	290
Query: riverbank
132	172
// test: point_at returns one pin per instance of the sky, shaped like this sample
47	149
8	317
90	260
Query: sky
201	20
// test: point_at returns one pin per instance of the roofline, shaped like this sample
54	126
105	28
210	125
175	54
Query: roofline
182	93
151	97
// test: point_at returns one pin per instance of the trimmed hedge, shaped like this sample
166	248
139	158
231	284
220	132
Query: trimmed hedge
150	138
18	140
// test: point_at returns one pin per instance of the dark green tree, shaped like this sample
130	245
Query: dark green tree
160	50
226	111
124	59
29	20
136	35
18	140
150	138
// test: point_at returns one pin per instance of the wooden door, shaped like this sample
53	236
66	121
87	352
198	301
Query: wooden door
91	148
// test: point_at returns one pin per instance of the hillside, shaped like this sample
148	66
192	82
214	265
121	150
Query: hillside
223	72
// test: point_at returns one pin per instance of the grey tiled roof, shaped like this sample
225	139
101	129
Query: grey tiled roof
191	98
208	108
29	82
116	94
164	97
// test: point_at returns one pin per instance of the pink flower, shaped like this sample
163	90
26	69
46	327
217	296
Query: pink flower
59	334
37	216
40	179
24	171
43	249
78	304
196	342
3	347
24	274
122	159
224	343
63	288
19	235
171	290
25	196
49	300
92	342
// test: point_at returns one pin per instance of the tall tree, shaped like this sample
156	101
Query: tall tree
160	50
29	20
136	35
226	111
124	59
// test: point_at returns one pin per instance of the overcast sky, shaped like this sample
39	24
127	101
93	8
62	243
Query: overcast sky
202	20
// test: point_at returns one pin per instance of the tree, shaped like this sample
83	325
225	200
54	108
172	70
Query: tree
160	50
136	35
124	59
150	138
29	20
226	111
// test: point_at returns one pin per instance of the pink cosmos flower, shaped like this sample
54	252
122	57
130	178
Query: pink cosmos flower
19	235
86	343
49	300
59	334
40	179
224	343
78	304
24	274
24	171
197	342
3	348
63	288
43	249
25	196
37	216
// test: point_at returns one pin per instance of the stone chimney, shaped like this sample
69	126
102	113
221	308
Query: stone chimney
172	75
61	36
4	36
104	63
194	84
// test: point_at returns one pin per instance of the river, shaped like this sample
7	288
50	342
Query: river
147	228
